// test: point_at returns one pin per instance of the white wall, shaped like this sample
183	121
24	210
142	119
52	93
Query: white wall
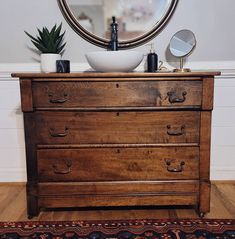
12	152
223	128
211	20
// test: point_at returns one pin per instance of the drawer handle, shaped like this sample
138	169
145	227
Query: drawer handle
179	132
173	98
56	135
58	100
67	170
174	169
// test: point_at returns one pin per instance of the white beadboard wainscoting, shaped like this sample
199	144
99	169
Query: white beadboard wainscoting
12	152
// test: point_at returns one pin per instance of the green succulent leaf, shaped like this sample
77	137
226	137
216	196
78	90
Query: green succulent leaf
60	49
33	38
58	30
53	29
59	40
49	41
40	47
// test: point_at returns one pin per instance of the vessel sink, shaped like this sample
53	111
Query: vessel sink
114	61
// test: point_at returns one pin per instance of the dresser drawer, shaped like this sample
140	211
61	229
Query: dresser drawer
165	93
119	193
117	127
118	164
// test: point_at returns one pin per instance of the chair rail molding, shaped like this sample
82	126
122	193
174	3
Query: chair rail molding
12	160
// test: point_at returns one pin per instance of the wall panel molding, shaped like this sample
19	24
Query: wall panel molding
222	173
12	174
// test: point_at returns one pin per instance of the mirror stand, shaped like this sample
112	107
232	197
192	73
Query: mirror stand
182	69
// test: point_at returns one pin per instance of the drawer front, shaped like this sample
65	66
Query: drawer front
130	193
119	188
118	164
117	127
117	94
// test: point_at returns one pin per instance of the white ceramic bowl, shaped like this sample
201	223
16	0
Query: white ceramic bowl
114	61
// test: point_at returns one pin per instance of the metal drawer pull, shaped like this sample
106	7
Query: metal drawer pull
58	100
67	165
180	132
176	169
54	134
173	98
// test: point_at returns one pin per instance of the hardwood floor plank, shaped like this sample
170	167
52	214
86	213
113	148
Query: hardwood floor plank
8	193
227	196
23	216
217	208
14	207
186	213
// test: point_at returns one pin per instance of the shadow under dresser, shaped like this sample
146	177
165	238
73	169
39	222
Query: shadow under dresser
117	139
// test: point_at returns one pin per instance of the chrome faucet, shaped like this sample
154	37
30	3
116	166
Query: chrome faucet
114	35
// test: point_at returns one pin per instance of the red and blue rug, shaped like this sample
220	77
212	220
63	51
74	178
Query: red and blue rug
133	229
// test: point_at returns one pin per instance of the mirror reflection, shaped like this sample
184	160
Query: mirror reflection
134	17
181	45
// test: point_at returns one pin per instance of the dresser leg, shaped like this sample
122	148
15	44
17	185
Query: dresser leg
30	217
201	214
32	207
204	203
32	201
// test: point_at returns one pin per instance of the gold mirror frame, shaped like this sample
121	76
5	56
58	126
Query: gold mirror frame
104	43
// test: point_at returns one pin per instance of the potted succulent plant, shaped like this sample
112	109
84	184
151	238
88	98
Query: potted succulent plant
50	44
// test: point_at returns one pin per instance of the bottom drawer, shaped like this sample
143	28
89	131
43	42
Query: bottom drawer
118	193
118	164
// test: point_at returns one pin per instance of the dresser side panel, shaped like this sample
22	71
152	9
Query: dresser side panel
26	95
207	93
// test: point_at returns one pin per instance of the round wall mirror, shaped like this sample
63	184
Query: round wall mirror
181	45
138	20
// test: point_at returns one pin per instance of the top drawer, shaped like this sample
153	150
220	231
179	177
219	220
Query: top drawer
77	94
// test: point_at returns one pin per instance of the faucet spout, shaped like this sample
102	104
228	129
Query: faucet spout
114	35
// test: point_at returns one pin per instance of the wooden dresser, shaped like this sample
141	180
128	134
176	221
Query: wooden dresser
117	139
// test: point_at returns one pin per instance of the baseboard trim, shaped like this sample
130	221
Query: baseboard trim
219	181
8	175
9	184
224	173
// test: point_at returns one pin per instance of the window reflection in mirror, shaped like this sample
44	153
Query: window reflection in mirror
134	17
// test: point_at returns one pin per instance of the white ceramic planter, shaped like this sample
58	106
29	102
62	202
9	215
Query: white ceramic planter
48	62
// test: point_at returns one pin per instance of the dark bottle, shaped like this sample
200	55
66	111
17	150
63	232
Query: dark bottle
152	61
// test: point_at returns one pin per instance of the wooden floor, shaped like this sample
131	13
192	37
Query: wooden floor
13	207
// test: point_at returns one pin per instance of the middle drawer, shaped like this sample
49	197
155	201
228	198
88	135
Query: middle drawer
117	127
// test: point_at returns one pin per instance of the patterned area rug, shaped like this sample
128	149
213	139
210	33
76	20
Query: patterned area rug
134	229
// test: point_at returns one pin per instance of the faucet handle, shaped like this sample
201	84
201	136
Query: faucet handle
114	35
114	24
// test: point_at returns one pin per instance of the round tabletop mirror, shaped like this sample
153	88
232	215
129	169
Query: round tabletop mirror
181	45
138	20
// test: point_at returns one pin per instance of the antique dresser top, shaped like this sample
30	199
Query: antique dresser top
121	75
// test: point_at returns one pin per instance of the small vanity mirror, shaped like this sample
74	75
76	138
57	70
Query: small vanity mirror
181	45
